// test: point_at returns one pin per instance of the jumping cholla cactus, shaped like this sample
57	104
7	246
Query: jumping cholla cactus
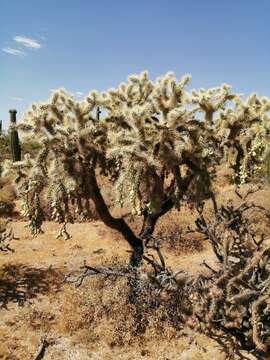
155	142
245	128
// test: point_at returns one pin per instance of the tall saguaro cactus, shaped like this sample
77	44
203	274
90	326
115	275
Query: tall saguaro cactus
0	127
14	137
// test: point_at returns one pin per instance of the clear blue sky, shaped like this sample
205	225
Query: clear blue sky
84	44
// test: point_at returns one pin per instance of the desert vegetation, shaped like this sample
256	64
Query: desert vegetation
171	172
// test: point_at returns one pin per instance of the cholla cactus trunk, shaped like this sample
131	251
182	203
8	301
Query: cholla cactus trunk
14	138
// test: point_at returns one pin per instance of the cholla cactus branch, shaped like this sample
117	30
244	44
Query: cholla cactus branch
148	138
236	296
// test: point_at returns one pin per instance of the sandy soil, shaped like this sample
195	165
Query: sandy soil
36	302
32	294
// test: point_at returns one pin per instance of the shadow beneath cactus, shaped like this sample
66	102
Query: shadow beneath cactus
19	283
229	343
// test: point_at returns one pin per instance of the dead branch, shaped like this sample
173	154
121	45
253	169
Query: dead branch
41	350
88	270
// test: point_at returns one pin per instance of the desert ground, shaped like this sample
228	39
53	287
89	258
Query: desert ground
94	321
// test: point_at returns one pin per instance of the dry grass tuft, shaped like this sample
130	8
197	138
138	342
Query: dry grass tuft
178	240
103	309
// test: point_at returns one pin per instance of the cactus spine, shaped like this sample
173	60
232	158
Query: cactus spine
14	138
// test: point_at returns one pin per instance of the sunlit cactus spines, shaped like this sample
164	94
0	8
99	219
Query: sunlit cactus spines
154	141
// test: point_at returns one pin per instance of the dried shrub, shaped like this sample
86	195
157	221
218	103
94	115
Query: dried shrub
123	306
7	196
173	236
6	235
234	297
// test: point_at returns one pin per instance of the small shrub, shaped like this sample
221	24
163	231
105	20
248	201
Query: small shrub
175	238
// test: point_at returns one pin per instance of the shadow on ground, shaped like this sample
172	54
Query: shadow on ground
19	283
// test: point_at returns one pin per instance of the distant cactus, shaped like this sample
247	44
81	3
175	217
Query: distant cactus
0	127
98	113
14	138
